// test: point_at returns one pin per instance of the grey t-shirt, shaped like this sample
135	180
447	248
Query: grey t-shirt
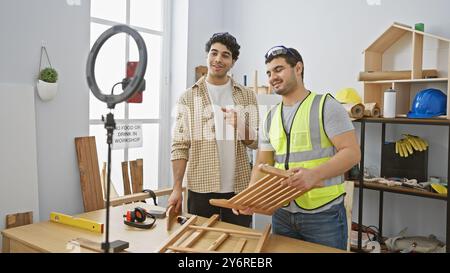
336	122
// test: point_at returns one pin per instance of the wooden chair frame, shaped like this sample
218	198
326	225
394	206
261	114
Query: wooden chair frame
265	196
184	238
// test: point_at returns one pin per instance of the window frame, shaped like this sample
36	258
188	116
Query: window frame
164	99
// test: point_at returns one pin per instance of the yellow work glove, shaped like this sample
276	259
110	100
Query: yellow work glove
403	147
416	142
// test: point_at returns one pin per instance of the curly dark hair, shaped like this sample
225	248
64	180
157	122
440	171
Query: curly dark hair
292	57
226	39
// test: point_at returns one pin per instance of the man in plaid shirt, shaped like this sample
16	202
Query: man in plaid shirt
217	119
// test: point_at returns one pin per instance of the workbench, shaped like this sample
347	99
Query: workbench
48	236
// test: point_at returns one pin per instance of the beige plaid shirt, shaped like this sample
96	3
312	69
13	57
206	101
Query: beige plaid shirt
194	137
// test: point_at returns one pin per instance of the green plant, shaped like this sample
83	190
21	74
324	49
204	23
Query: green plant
48	74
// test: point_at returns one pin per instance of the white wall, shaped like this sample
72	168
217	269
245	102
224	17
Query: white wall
65	30
331	36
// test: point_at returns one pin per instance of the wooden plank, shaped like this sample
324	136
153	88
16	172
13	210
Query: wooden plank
239	245
387	39
261	181
224	230
263	239
292	196
368	76
125	178
417	56
263	197
372	93
135	197
218	242
91	188
348	204
274	171
188	250
19	219
171	217
197	234
280	197
136	167
373	61
250	191
264	193
176	235
103	178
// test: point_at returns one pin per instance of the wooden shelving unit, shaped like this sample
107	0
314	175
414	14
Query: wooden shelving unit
374	91
373	60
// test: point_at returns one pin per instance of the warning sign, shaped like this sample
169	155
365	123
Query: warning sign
127	135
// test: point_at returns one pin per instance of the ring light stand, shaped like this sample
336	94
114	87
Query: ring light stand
111	101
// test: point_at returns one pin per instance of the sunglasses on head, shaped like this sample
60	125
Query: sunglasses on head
219	34
278	50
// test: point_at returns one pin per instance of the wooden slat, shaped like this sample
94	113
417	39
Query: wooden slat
135	197
19	219
417	56
262	196
215	245
190	241
187	234
136	168
239	245
266	193
188	250
274	171
91	188
255	189
103	179
348	204
387	39
176	235
125	178
224	230
279	197
372	61
249	189
263	239
292	196
171	217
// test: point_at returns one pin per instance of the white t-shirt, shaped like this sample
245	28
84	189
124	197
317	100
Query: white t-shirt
222	96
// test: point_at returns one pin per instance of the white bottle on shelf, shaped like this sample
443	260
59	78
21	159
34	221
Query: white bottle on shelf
390	100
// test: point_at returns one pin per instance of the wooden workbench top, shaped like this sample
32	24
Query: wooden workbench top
53	237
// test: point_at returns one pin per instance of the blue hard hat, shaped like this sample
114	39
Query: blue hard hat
428	103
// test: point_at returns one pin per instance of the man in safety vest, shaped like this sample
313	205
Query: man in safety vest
311	135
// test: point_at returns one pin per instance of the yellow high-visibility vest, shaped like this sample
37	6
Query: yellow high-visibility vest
306	145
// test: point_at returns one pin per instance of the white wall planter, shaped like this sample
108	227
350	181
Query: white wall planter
47	91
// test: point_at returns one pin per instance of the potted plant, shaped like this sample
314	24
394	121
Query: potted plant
47	85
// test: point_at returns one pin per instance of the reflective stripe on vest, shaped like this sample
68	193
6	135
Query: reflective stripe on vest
306	146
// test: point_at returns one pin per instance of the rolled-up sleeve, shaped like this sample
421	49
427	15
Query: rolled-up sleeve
181	141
